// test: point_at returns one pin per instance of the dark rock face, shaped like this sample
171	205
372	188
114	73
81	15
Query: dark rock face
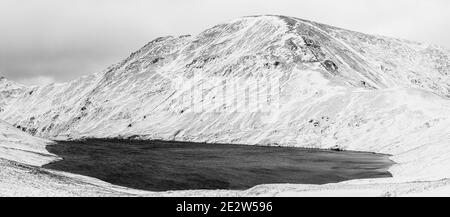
311	43
330	66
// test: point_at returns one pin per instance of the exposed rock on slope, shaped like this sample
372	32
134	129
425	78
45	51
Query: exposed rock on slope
332	88
9	91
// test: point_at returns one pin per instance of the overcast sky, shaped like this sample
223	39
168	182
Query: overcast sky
60	40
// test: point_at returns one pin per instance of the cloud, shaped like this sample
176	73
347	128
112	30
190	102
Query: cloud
39	80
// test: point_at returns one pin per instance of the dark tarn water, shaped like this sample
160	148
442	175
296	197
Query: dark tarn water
162	166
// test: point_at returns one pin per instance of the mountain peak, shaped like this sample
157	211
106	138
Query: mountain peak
308	60
6	84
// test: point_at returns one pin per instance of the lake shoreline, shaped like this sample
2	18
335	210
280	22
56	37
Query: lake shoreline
211	143
193	166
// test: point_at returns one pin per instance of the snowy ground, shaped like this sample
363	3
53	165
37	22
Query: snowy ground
18	146
23	180
22	176
337	89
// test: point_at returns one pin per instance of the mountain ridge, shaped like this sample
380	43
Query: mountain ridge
158	39
330	88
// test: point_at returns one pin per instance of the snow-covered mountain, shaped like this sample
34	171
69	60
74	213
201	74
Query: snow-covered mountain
330	88
9	91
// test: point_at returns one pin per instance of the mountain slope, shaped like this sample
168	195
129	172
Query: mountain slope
9	91
329	88
21	156
18	146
